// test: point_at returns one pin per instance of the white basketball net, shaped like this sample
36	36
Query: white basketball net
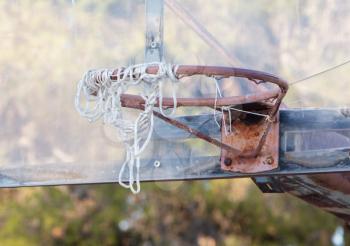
102	96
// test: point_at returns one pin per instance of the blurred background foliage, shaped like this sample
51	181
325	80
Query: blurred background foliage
196	213
46	46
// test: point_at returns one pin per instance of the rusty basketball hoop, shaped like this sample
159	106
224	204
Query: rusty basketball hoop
253	147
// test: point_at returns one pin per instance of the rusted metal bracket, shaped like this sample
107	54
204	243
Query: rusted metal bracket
250	133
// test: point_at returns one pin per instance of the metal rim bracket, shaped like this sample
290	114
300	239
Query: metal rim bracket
246	134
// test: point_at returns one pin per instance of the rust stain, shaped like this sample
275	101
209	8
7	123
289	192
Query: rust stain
334	181
326	191
322	201
257	77
246	138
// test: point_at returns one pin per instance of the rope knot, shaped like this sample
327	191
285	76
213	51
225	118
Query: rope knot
102	96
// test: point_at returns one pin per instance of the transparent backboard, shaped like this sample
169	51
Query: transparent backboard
46	47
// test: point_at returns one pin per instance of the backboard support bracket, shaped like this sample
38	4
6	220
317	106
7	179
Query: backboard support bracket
244	134
154	30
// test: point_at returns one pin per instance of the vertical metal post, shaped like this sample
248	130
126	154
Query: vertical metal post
154	30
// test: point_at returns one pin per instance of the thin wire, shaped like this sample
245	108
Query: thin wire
217	94
244	111
229	108
320	73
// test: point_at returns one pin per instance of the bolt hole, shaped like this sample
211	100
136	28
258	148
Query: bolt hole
153	45
156	164
228	161
269	160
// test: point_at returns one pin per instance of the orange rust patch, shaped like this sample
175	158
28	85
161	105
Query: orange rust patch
245	137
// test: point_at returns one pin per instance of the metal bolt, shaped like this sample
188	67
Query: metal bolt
154	45
228	161
269	160
156	164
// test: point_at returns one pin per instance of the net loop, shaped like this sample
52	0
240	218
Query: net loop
98	95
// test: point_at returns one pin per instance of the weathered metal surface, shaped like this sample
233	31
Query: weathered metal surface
197	133
133	101
246	137
315	140
329	192
190	70
275	95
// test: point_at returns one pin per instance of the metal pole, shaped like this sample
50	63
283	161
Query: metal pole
154	30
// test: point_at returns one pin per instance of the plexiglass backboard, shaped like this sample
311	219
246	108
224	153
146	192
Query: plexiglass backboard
46	47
